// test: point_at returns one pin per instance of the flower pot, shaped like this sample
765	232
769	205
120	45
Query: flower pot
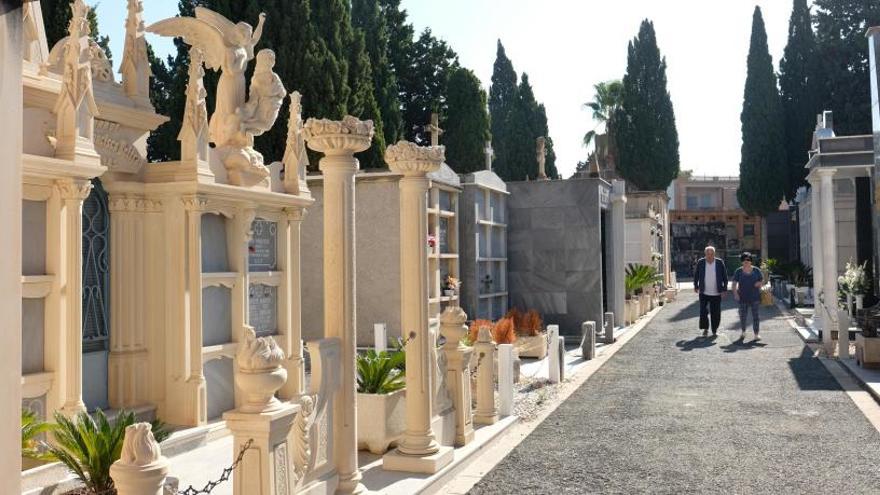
258	388
381	420
532	346
867	351
448	292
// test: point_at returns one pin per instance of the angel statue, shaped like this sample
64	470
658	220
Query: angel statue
229	48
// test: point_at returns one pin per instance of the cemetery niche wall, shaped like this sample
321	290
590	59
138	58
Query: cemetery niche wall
565	249
378	249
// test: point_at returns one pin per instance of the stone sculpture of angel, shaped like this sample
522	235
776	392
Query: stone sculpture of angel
227	47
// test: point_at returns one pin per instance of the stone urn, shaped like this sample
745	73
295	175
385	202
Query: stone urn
259	374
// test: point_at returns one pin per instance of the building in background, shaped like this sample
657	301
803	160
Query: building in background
705	212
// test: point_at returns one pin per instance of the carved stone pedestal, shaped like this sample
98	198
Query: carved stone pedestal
458	372
265	467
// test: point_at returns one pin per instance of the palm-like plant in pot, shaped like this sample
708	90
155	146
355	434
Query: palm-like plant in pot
381	382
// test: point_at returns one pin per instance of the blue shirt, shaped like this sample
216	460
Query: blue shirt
746	285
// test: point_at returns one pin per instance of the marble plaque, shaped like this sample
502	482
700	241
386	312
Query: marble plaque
604	197
263	246
263	316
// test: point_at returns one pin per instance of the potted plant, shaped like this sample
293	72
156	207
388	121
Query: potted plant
381	412
88	446
31	428
450	286
531	339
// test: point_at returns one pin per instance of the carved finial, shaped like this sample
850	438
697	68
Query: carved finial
296	158
259	353
194	129
135	67
139	448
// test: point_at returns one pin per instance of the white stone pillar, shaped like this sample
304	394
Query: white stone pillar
418	450
141	468
829	259
617	268
380	337
291	296
505	379
72	193
339	141
817	251
486	413
10	262
458	371
553	362
196	399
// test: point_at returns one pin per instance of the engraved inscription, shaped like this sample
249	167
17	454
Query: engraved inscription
263	246
263	300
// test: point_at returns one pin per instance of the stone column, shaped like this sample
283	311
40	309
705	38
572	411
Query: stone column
196	387
10	262
291	297
816	248
458	371
339	141
72	193
829	259
141	469
874	60
486	413
617	268
418	450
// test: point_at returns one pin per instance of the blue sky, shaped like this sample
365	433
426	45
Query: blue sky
568	45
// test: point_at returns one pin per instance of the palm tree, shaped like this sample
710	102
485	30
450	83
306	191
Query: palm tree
605	104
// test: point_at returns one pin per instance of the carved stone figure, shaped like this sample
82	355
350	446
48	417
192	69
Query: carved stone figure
296	158
259	353
139	448
259	374
193	135
542	157
229	47
135	66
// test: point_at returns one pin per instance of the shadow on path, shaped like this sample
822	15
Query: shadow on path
696	343
741	345
810	374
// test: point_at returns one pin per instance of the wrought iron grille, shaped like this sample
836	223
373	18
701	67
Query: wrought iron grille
96	269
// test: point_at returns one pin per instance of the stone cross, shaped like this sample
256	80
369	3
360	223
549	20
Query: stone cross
542	158
434	129
490	154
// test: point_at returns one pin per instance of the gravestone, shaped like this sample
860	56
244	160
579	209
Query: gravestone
263	309
263	246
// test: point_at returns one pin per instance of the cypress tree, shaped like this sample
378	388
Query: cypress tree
843	55
644	129
799	89
423	87
362	102
502	96
520	160
539	128
467	122
367	17
762	169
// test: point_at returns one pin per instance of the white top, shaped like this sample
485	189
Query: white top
710	280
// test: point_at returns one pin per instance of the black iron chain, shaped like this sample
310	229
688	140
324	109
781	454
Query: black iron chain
227	473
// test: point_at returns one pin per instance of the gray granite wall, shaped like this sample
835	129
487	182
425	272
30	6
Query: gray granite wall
555	250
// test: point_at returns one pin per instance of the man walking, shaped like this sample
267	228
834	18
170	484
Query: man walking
710	281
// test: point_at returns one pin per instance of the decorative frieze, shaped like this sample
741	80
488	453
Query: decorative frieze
117	154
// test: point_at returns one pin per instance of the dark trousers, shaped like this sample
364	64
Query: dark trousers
744	308
710	306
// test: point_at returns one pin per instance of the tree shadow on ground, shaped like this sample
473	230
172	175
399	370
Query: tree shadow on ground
810	373
742	345
690	311
696	343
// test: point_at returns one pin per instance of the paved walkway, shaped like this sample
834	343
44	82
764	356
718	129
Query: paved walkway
674	412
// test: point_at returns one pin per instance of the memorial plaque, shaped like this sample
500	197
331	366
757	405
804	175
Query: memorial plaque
263	246
604	197
263	302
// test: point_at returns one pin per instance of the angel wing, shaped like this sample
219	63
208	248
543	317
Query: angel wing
198	33
226	27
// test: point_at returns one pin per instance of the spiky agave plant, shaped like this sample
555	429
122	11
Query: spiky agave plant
379	373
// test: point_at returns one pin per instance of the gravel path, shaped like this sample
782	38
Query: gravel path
673	412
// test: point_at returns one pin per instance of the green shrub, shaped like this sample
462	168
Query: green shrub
380	373
31	428
88	446
638	277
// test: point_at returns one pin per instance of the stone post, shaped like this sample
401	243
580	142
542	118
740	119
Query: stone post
141	469
292	297
380	337
486	413
553	336
609	328
10	262
829	261
72	193
817	259
339	141
588	342
261	419
617	268
458	371
418	450
505	379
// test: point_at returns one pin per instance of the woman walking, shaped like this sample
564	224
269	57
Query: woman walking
747	282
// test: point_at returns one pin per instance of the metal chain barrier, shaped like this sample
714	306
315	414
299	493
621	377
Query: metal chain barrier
227	473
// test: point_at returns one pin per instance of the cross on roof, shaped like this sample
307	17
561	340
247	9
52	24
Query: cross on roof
434	129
